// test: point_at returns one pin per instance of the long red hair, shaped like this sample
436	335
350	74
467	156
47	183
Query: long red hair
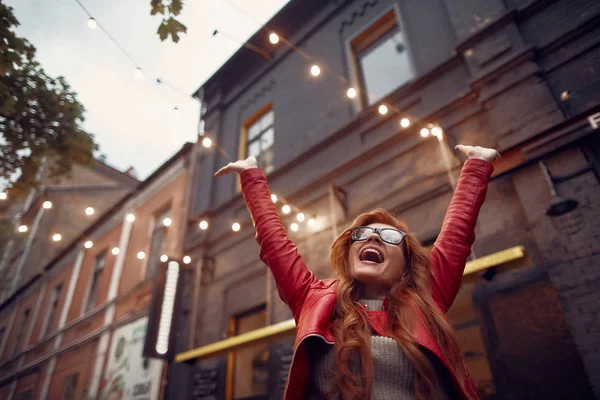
408	296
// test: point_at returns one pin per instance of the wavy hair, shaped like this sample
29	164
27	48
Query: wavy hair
410	296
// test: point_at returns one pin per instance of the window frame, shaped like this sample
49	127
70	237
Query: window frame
244	134
95	271
371	36
51	315
68	379
20	333
157	228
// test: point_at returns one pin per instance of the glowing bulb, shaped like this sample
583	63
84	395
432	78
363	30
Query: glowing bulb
294	227
383	109
424	132
92	24
286	209
351	93
404	122
203	225
187	259
311	222
206	142
47	205
437	132
235	227
88	244
130	217
89	211
138	73
57	237
274	198
23	228
300	217
3	196
315	70
164	258
141	255
274	38
115	250
167	221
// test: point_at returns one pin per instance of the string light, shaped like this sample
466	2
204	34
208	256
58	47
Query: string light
88	244
89	211
294	227
164	258
274	38
3	196
130	217
311	222
167	221
437	132
47	205
300	217
286	209
235	227
206	142
351	93
424	132
187	259
274	198
138	74
404	122
203	225
23	228
141	255
92	24
57	237
315	70
115	250
383	109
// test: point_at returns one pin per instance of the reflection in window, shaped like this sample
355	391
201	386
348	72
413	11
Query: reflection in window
260	136
382	59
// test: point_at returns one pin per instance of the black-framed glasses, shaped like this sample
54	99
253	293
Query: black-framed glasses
388	235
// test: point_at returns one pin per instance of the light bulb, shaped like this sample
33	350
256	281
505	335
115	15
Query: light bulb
187	259
47	204
138	73
167	221
23	228
203	225
141	255
351	93
164	258
88	244
300	217
437	132
424	132
3	196
206	142
383	109
92	24
311	222
286	209
315	70
274	198
57	237
274	38
130	217
404	122
235	227
294	227
115	250
89	211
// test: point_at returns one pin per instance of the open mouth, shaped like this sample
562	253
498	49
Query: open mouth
372	255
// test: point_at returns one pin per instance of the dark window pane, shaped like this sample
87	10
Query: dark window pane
96	277
156	250
69	387
53	308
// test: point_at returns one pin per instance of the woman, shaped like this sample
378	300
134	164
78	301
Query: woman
378	331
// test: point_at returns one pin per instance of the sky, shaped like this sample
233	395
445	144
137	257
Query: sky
133	120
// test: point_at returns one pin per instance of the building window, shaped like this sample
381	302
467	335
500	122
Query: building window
258	136
20	332
381	59
2	330
96	277
53	307
28	395
157	244
248	368
69	387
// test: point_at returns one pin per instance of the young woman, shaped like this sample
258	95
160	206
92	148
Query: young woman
379	330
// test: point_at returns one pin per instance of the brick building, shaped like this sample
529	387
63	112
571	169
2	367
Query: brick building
517	75
75	329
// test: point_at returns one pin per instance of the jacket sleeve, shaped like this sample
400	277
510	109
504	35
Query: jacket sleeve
453	245
277	251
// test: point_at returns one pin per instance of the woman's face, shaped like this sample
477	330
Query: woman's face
376	263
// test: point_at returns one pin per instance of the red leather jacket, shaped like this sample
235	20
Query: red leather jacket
312	301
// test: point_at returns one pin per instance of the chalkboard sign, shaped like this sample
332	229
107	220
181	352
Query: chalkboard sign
280	359
208	383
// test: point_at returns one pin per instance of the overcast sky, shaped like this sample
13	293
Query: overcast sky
133	120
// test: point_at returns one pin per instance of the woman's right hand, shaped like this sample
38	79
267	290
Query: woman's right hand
238	167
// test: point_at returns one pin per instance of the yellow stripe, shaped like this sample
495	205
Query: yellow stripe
287	328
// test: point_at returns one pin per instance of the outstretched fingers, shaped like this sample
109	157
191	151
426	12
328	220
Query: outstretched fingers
224	171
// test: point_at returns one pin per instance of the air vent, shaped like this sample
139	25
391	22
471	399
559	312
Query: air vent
594	120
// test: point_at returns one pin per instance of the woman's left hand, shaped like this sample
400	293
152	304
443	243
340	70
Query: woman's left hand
481	153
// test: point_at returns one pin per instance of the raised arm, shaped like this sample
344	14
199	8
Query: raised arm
453	245
277	251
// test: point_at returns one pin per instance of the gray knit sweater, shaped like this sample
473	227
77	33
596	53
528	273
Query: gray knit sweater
392	371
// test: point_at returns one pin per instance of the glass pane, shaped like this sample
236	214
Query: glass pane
266	120
254	149
267	139
251	375
385	66
253	130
